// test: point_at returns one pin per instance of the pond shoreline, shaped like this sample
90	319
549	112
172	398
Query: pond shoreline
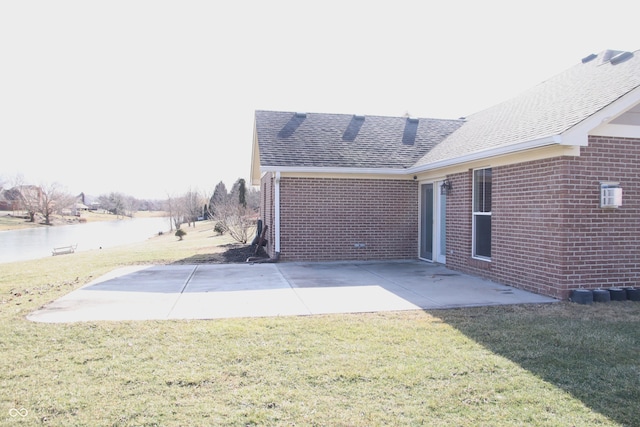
10	221
39	242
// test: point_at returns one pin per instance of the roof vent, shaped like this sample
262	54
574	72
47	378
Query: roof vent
410	131
290	127
589	58
353	128
606	55
621	57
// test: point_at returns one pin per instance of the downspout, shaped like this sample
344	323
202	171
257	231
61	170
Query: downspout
276	219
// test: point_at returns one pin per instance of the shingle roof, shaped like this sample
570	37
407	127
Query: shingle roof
550	108
346	141
288	139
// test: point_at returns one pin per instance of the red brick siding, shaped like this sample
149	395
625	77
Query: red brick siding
322	219
603	245
459	222
549	234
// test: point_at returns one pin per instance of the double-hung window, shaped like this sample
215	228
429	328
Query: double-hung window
482	213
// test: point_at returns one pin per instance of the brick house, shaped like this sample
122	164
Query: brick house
541	192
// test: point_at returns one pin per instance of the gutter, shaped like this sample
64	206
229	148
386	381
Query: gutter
477	155
333	170
491	152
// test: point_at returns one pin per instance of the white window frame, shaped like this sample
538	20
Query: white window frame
476	214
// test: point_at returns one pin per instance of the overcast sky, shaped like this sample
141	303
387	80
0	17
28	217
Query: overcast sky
154	98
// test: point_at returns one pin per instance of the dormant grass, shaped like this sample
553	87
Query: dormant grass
561	364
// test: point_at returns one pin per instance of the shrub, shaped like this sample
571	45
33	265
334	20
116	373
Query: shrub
180	232
219	228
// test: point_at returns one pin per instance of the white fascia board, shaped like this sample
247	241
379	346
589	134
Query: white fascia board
491	152
597	123
334	170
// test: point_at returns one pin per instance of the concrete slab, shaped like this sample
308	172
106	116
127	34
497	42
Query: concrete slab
286	289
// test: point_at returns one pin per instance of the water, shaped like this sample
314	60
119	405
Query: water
33	243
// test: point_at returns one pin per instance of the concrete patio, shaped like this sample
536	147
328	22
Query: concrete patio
210	291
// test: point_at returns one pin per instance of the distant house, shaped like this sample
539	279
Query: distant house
9	200
541	192
12	199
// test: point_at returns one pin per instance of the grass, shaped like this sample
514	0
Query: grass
561	364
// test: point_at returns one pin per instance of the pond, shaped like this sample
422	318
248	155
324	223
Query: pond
33	243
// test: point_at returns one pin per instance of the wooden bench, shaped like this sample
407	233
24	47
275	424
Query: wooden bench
64	250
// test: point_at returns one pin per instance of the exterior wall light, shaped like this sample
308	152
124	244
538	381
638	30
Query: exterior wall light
446	187
610	195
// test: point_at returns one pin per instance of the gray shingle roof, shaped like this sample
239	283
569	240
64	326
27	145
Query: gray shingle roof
345	141
550	108
288	139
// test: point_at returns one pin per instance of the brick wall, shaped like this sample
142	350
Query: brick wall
322	219
549	234
459	223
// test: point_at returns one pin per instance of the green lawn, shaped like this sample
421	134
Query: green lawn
558	365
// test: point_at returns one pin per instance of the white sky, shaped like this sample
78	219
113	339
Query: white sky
151	98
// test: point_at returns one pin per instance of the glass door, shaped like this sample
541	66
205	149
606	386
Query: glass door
433	224
426	221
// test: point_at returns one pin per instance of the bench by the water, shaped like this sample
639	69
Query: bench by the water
64	250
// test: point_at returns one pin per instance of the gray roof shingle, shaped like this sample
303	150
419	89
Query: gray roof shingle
550	108
290	139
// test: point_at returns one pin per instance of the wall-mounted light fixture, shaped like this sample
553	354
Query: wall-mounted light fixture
610	195
446	187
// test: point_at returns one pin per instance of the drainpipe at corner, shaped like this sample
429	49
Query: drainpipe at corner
276	220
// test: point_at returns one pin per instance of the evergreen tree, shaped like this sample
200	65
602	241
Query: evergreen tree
218	198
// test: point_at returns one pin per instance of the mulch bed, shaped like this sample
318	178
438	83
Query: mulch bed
232	253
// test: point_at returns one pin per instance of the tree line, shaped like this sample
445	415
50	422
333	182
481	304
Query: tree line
234	212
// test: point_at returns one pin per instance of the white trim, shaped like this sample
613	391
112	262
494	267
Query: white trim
616	131
435	227
276	213
334	170
478	155
475	214
437	224
612	111
490	152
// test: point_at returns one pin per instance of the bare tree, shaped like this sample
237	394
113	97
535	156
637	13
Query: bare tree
234	218
231	212
119	204
253	199
30	199
52	199
171	206
26	197
192	203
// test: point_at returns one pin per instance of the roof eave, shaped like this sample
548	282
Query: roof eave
333	170
488	153
577	135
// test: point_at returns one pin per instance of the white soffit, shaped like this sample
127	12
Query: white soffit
626	125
